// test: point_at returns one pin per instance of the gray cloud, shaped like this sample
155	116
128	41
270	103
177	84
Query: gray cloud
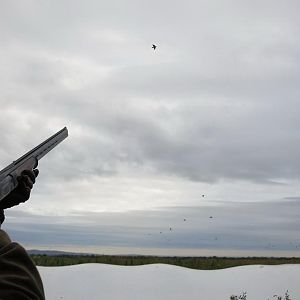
217	100
235	226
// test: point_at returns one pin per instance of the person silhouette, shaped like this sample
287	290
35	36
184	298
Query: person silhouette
19	277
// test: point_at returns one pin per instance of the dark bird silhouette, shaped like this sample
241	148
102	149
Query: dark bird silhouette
203	195
184	220
154	46
210	217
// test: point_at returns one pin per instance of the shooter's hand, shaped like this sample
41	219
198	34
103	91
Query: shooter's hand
22	192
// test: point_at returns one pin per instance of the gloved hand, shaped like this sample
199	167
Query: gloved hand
21	193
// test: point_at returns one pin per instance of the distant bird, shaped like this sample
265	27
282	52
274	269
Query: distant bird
203	195
170	228
210	217
154	46
184	220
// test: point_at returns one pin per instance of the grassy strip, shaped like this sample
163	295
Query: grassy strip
200	263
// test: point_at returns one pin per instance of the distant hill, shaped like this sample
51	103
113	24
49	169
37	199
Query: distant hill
56	253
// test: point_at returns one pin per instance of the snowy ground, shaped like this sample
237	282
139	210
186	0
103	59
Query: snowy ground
166	282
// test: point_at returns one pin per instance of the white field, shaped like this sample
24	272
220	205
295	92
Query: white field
166	282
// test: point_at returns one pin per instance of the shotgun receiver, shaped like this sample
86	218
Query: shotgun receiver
29	161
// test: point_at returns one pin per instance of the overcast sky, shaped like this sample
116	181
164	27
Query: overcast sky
213	111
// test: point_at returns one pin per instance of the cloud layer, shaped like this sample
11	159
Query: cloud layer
264	226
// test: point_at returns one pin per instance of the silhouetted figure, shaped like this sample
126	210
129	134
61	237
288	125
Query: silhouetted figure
154	46
19	277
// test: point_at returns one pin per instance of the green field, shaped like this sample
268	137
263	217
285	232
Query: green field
201	263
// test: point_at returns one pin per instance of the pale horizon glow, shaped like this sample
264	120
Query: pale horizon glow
162	251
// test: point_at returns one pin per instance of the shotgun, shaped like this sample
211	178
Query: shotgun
29	161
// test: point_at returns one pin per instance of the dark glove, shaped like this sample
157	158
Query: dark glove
21	193
2	217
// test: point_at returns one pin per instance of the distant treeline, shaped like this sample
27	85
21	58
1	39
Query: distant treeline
201	263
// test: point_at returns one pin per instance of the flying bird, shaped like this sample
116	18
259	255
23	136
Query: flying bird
154	46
